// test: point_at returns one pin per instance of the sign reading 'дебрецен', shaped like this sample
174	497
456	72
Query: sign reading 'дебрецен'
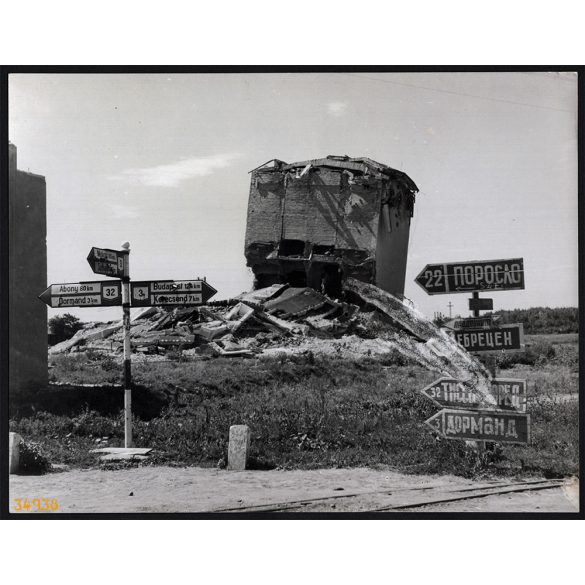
505	338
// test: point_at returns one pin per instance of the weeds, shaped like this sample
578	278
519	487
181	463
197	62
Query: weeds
32	459
305	411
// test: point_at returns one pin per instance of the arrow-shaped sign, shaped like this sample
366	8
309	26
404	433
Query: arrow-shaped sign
508	394
82	294
441	279
156	293
470	425
472	322
453	393
106	262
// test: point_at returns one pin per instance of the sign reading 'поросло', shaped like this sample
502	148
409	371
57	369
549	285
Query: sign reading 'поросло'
440	279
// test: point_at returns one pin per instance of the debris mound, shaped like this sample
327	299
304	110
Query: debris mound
282	319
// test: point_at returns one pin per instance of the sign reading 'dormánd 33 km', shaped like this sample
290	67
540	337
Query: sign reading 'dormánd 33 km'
83	294
170	292
501	427
509	394
106	262
442	279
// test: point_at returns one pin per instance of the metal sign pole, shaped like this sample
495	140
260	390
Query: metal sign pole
127	349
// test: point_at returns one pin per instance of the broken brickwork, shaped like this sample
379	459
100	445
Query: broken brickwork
318	222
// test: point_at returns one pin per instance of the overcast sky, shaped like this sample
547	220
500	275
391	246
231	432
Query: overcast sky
162	161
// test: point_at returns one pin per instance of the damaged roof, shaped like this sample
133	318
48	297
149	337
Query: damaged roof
363	165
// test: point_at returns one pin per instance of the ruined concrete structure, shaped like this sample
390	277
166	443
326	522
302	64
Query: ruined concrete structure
27	277
318	222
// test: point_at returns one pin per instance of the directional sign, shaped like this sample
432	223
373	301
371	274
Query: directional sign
106	262
453	393
508	394
170	292
481	304
470	425
83	294
506	338
472	322
442	279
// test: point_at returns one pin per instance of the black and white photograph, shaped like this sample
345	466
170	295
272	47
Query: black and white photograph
295	292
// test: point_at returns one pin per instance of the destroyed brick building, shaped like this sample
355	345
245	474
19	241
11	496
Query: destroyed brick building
318	222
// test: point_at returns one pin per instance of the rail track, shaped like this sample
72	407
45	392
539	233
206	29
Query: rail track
405	498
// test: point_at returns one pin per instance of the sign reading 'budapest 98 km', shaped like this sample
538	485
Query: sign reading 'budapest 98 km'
83	294
442	279
170	292
500	427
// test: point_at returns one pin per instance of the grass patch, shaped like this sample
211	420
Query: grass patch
303	411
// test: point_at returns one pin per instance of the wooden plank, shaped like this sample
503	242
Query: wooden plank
122	457
122	450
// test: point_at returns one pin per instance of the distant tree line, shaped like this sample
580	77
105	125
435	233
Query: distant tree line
543	319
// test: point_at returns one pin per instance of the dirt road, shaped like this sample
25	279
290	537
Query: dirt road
168	489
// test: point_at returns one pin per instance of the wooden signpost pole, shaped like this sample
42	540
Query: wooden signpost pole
116	263
127	348
480	446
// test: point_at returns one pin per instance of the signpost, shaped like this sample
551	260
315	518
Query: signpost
107	262
82	294
508	394
505	421
171	292
125	255
501	427
505	338
116	263
442	279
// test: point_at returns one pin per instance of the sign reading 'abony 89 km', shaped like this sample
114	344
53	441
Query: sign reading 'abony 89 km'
442	279
501	427
83	294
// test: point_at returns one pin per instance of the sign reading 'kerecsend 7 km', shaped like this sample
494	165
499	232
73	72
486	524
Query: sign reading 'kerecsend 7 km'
156	293
441	279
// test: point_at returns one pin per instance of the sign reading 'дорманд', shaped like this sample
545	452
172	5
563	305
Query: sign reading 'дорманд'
501	427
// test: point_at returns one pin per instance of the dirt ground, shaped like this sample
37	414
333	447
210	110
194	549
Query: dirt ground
170	489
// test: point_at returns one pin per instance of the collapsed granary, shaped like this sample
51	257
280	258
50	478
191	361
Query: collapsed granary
319	222
327	241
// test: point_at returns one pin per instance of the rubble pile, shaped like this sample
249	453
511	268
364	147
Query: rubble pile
281	319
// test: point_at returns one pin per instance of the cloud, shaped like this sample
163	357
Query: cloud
123	211
336	109
171	175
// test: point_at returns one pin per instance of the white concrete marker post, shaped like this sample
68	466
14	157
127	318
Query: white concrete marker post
14	453
127	348
238	448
